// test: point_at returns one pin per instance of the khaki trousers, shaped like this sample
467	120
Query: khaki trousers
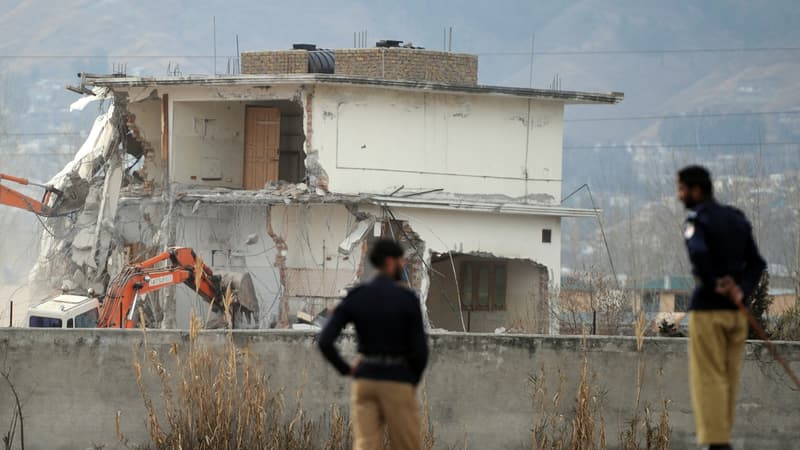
716	343
376	405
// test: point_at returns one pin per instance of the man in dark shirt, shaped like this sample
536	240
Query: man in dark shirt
727	266
393	349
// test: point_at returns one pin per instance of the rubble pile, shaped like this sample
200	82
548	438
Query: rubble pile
76	245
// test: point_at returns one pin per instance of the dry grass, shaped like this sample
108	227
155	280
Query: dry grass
641	432
428	432
340	433
584	430
585	427
220	399
215	398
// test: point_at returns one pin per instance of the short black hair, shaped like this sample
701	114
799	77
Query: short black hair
697	176
384	249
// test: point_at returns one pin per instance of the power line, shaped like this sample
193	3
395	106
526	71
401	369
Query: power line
488	53
26	155
43	133
110	56
682	116
666	145
644	51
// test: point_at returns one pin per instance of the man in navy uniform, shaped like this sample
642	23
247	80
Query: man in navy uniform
727	267
394	352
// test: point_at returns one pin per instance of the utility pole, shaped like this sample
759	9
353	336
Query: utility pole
214	33
530	78
450	43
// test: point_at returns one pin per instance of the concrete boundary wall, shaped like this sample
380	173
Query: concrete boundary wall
74	382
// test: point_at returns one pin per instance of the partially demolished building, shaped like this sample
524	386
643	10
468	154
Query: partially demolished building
290	170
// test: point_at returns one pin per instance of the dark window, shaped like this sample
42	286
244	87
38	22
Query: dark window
682	302
44	322
87	319
466	291
70	323
547	235
651	302
483	285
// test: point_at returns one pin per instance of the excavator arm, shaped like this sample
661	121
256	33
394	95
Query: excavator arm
17	199
181	266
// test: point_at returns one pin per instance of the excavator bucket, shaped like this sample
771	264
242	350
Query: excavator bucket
71	196
245	302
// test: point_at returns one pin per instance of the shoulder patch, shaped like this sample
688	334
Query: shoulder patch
688	230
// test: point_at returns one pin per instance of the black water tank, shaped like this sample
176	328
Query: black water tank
321	61
308	47
388	43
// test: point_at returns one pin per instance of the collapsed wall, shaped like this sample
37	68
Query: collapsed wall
83	247
77	245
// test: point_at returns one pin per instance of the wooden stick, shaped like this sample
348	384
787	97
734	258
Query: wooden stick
769	344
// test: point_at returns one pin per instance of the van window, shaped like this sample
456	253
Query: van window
44	322
87	319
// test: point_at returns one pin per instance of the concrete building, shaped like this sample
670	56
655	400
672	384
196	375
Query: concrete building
290	170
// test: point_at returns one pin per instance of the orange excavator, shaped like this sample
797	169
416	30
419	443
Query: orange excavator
119	308
17	199
54	202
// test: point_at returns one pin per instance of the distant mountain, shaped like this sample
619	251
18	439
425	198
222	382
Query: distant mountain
45	43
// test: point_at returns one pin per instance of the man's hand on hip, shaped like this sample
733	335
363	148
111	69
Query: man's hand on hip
727	286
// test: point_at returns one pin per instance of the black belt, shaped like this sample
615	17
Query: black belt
385	360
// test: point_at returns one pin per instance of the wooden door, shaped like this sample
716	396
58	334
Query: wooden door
262	138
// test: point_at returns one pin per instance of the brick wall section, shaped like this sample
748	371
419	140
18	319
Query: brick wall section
382	63
282	61
408	64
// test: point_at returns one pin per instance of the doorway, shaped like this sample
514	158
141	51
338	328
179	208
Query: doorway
262	146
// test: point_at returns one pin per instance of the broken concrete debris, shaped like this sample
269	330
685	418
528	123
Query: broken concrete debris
80	242
359	233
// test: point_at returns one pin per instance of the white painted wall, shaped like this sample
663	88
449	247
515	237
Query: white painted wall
221	147
208	142
148	119
371	139
315	268
506	235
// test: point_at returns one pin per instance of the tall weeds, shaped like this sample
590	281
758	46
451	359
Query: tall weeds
219	398
642	432
552	430
585	428
215	398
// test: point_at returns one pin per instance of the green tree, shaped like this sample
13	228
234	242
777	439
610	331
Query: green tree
787	326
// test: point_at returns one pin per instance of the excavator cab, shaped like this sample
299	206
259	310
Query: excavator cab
64	311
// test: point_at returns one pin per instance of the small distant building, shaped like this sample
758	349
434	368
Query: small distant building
783	290
672	293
